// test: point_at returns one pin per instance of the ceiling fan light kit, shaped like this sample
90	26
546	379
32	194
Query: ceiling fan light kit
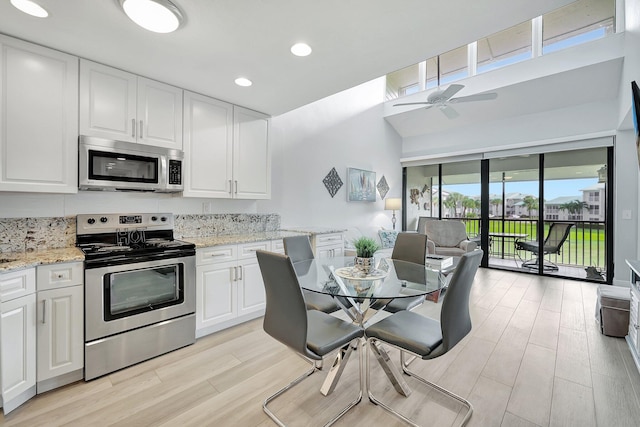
442	99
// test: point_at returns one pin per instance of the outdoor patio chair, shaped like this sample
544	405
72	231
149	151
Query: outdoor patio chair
558	233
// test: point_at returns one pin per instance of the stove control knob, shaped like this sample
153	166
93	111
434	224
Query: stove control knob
104	219
91	221
163	219
154	218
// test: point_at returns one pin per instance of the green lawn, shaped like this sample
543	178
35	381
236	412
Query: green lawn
585	245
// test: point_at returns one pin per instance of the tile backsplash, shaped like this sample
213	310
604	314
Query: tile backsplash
37	234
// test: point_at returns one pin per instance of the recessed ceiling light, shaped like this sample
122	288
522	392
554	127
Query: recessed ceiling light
159	16
241	81
301	49
31	8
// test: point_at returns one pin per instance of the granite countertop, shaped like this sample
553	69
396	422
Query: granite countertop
18	260
10	261
314	230
230	239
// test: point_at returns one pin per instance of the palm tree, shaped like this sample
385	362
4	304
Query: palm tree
531	203
574	206
467	203
454	200
450	203
496	202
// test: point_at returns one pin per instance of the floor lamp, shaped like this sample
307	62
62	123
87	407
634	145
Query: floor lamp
393	205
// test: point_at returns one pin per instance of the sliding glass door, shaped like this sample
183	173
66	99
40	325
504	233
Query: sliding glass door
513	207
575	200
544	214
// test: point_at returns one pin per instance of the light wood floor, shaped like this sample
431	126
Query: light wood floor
535	357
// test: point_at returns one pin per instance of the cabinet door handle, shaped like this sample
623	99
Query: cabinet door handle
236	181
230	187
133	128
44	311
235	274
140	129
240	268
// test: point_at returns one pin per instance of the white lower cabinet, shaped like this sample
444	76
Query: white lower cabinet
17	338
41	330
60	324
229	284
328	245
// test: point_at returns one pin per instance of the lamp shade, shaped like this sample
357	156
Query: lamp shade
393	204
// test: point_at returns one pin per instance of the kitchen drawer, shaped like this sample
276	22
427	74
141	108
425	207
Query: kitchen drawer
277	246
328	239
216	254
16	284
54	276
248	250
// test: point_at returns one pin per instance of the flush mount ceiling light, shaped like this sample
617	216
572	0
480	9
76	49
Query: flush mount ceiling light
159	16
30	8
241	81
301	49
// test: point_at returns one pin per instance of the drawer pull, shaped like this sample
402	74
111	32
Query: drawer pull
213	254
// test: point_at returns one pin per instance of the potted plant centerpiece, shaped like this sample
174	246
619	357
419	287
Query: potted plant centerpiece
365	248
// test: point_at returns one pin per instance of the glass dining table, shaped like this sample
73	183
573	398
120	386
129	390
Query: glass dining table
362	295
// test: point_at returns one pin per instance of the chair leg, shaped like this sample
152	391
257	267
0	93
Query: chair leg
442	390
546	265
297	381
409	421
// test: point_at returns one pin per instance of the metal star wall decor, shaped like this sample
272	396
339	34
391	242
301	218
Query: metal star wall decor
333	182
383	187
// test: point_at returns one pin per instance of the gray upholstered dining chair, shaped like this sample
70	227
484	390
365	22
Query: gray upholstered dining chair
311	334
427	338
298	248
411	247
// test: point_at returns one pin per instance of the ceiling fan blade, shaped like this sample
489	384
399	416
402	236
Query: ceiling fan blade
450	91
412	103
478	97
449	112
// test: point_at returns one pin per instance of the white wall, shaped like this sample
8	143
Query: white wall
343	130
16	205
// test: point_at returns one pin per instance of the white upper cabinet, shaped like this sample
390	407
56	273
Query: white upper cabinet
38	118
159	114
118	105
251	155
208	146
226	149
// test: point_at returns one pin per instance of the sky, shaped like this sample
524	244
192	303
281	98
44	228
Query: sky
552	189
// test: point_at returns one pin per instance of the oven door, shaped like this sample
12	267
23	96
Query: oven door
127	296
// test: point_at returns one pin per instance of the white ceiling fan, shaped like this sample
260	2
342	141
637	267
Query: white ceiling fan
442	99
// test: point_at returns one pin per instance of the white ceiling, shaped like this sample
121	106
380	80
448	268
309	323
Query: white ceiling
597	82
353	41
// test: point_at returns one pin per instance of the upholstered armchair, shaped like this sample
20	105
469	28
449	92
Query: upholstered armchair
447	237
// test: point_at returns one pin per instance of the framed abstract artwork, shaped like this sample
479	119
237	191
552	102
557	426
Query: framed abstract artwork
361	185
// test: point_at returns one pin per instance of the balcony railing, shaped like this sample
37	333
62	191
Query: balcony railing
584	247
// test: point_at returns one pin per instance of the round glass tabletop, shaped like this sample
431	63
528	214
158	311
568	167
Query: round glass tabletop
389	279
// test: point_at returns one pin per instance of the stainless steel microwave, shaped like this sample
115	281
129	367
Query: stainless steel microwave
117	165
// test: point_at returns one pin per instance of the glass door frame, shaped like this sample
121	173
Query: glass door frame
540	222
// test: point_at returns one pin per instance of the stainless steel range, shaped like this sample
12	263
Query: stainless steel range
140	295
